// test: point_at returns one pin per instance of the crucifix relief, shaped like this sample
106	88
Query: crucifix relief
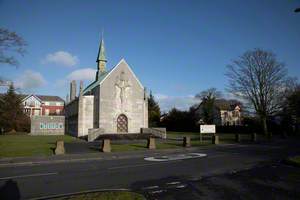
122	84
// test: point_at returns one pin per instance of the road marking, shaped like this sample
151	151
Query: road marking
49	162
180	186
173	183
175	157
156	191
151	187
132	166
28	175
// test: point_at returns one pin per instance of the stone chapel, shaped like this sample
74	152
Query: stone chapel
115	102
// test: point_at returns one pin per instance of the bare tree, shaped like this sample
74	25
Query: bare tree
258	78
211	93
10	44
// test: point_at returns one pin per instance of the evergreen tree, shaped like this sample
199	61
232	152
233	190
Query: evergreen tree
153	111
12	117
208	98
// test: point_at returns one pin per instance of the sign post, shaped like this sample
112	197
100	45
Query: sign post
207	129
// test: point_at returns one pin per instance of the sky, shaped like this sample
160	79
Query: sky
176	48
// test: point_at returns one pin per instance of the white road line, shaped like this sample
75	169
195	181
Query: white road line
151	187
140	165
175	157
157	191
173	183
180	186
28	175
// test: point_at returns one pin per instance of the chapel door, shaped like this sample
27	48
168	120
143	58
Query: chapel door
122	124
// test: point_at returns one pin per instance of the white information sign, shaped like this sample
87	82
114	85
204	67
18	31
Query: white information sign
207	128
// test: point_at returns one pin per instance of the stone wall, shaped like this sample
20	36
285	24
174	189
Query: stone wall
71	114
47	125
158	132
85	114
129	101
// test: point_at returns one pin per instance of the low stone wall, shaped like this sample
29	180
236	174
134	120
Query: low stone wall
47	125
94	133
158	132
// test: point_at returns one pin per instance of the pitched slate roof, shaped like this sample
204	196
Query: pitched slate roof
41	97
225	104
105	74
49	98
96	82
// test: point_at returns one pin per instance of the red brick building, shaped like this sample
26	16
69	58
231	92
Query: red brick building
42	105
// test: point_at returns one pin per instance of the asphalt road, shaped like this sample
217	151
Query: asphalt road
154	179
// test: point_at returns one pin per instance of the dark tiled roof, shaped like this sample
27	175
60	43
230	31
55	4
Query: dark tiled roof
225	104
41	97
49	98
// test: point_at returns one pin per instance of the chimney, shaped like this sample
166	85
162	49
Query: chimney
80	88
67	98
72	90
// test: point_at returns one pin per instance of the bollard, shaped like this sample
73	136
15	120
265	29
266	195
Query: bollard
106	146
283	135
237	137
60	148
253	137
215	139
270	135
186	141
151	143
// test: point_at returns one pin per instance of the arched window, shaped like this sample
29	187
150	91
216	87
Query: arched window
122	124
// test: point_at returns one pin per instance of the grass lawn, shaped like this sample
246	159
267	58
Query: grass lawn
223	137
105	196
26	145
295	160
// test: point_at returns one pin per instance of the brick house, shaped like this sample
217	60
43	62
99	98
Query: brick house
42	105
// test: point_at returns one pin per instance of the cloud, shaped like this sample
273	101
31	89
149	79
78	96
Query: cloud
30	80
62	58
83	74
166	102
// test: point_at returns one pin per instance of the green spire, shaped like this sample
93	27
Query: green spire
101	60
101	52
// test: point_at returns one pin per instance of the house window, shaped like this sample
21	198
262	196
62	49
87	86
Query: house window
57	111
47	112
47	103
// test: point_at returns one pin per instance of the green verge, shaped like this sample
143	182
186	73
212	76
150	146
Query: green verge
26	145
105	196
295	160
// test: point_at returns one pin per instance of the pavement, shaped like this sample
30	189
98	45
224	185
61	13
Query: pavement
226	172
